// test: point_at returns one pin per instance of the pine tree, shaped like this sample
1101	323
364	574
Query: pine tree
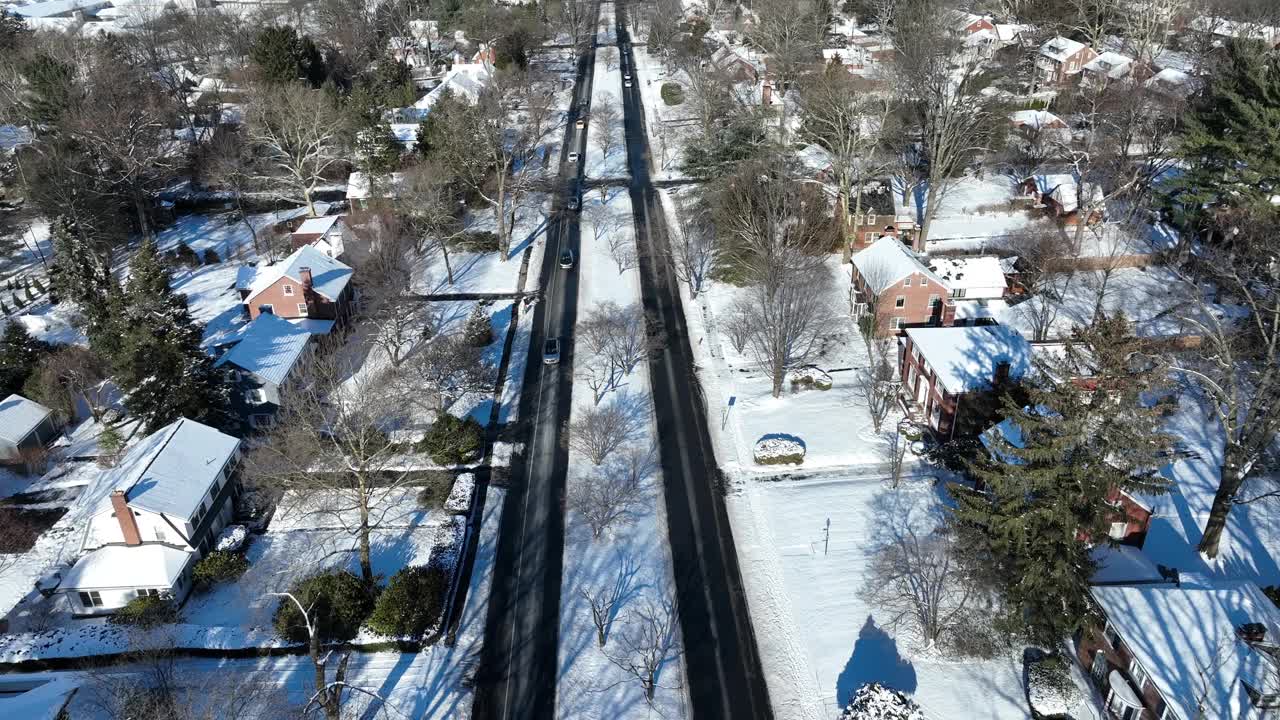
159	361
1231	139
50	84
477	331
377	150
79	274
1042	505
19	355
874	701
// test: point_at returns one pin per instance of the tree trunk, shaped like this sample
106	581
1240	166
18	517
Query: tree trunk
311	206
930	207
779	374
366	563
144	223
448	267
1232	478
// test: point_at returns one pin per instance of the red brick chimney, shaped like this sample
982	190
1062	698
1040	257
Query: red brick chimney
124	515
305	274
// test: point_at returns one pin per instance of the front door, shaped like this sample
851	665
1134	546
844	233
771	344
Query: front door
1099	667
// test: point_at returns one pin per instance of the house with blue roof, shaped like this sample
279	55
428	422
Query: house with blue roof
260	366
170	496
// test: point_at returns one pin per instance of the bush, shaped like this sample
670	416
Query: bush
412	602
211	257
147	611
338	601
779	450
1050	689
218	566
672	94
477	331
435	491
453	441
809	377
185	255
874	701
478	242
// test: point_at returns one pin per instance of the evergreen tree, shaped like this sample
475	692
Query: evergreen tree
50	86
392	85
1231	139
13	32
377	151
19	355
1044	501
433	130
158	360
79	274
477	330
281	55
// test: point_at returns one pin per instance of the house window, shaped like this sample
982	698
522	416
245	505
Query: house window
1118	530
958	293
906	283
1168	714
1112	637
147	592
259	420
302	308
288	290
160	536
933	301
1139	675
198	516
900	301
266	308
896	323
91	599
924	281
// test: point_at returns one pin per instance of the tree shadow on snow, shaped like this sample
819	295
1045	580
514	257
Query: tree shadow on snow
875	658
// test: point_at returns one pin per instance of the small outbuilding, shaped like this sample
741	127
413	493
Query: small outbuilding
26	427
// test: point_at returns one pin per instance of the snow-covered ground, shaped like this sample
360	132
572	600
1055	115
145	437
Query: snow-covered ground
632	557
818	639
487	272
669	126
429	685
606	107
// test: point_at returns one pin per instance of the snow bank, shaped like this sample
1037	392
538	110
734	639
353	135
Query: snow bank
809	376
459	501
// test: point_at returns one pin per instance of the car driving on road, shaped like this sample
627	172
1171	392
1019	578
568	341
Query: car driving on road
551	351
573	157
566	258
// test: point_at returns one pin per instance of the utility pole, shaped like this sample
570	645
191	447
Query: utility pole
826	537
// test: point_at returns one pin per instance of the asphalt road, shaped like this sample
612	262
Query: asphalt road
516	678
722	662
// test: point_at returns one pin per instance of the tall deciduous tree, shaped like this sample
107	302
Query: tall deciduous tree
299	133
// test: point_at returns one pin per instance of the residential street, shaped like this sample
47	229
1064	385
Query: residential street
517	674
722	663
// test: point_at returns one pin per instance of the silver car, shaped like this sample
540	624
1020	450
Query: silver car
551	351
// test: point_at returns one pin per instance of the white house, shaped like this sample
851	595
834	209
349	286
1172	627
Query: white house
172	493
328	234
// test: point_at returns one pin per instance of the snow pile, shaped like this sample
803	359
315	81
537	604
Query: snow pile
231	538
809	376
459	502
1050	688
779	450
447	544
874	701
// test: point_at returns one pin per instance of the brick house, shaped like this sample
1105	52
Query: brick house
1168	649
943	369
1061	60
888	281
879	216
307	284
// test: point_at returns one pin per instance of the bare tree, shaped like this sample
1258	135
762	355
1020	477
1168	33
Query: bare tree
434	208
447	368
877	383
786	325
606	601
738	326
647	642
69	376
623	251
791	33
1236	363
1038	248
897	455
574	19
916	579
299	133
605	223
695	248
332	443
598	431
614	338
229	163
605	499
606	122
1094	19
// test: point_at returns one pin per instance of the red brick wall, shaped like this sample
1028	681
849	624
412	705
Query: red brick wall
1093	640
286	306
916	309
915	373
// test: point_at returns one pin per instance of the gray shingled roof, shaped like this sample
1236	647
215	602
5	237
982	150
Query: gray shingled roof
171	469
269	348
19	416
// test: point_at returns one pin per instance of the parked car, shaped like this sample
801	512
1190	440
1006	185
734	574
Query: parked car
551	351
573	157
566	258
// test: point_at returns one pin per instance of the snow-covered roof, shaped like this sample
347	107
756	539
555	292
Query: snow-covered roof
1171	82
814	158
12	136
328	276
36	697
1036	119
317	225
1059	48
313	326
964	359
150	565
1185	638
1061	187
465	81
19	416
54	8
1008	32
269	348
1111	64
1122	564
886	261
245	275
359	187
969	273
172	468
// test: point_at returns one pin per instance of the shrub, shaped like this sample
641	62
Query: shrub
1050	689
211	257
338	601
477	331
435	491
185	255
874	701
412	602
218	566
809	377
672	94
478	242
453	441
147	611
779	450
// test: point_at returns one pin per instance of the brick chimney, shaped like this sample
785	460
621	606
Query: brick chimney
124	516
304	273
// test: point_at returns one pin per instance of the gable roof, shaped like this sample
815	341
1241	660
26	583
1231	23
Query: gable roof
1060	48
269	348
964	359
969	272
172	468
19	417
128	566
317	225
1184	637
328	276
886	261
1111	64
1036	119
